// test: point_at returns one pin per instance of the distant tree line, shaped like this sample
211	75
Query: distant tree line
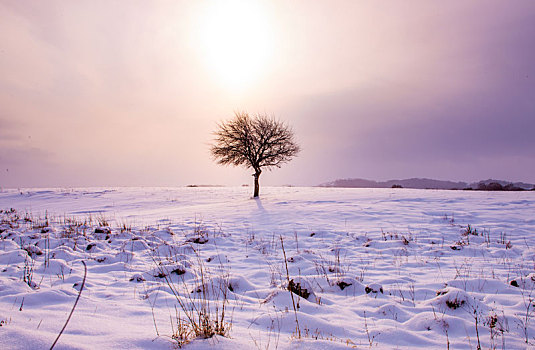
495	186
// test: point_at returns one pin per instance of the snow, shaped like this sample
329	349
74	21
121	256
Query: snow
386	268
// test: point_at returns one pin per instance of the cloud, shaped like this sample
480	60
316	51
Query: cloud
381	133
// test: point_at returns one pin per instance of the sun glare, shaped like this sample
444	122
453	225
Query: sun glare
236	41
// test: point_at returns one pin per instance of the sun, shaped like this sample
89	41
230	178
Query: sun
235	38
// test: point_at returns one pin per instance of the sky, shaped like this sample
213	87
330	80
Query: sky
128	93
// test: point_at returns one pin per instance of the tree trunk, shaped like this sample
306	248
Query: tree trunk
256	184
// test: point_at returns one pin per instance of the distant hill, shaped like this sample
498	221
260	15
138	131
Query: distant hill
423	183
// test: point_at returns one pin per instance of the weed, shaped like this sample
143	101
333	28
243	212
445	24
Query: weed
73	307
202	304
477	319
275	326
27	272
523	319
454	303
41	223
371	338
297	328
102	221
496	329
470	231
200	234
295	287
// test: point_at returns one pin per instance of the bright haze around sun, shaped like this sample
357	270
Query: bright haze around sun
236	41
128	93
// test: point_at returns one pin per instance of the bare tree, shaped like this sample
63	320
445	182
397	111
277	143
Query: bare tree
255	142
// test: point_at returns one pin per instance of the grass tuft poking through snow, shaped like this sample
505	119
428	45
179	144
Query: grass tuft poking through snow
202	302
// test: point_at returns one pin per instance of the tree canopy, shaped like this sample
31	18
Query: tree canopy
256	142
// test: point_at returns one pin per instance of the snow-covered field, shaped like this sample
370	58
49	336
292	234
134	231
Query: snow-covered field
379	268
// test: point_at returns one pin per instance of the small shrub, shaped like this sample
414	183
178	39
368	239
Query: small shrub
137	278
374	288
178	271
298	290
514	283
90	246
455	303
470	231
343	285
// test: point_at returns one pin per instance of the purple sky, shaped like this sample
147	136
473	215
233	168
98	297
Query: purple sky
107	93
